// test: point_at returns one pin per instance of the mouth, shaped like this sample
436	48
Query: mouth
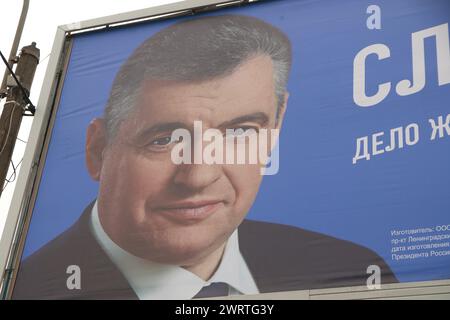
190	211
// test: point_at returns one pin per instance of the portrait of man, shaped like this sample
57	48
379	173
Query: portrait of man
161	230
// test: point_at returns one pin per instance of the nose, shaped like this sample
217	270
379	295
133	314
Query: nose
197	176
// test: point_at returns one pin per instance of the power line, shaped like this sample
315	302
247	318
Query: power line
45	57
13	174
31	107
25	70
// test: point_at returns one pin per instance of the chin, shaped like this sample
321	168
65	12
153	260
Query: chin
180	256
177	250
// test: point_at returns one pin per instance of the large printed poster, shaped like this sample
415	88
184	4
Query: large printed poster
277	146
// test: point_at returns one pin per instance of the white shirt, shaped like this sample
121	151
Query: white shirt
153	281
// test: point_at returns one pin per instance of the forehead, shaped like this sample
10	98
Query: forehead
249	89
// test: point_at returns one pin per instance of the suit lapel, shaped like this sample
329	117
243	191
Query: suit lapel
102	279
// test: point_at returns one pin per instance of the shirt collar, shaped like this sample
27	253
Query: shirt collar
152	281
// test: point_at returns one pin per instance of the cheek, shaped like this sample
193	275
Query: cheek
245	180
135	178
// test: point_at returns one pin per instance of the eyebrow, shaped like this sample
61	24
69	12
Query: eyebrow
259	117
161	127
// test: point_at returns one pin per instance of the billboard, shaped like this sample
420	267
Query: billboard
276	146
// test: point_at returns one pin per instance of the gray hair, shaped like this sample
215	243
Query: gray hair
198	50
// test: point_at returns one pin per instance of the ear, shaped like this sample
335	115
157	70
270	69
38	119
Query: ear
95	146
282	111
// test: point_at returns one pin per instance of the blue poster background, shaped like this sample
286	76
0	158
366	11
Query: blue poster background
318	187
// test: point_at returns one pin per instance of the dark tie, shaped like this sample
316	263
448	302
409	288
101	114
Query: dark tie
215	289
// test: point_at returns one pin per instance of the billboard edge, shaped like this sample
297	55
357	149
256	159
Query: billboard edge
22	193
22	198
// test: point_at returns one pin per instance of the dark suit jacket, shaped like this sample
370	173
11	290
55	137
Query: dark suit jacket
280	258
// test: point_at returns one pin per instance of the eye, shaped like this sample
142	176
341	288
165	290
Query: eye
242	131
161	141
164	141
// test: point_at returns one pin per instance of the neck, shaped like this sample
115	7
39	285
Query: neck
206	268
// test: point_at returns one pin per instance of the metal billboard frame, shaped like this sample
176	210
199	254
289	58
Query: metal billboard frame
20	211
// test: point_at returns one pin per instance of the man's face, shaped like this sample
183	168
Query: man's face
179	214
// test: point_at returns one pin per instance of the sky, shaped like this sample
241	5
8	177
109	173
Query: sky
44	16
